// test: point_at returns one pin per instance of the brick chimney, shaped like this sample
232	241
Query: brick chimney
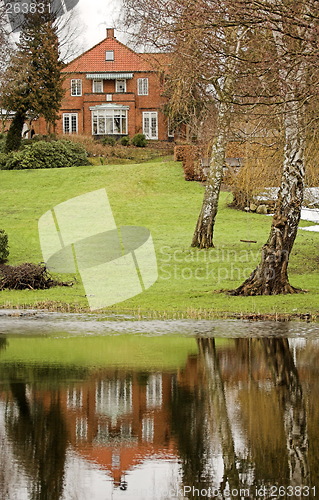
110	33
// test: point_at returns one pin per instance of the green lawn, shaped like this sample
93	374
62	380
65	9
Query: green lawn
156	196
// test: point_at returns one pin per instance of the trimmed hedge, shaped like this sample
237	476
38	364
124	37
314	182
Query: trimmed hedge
42	154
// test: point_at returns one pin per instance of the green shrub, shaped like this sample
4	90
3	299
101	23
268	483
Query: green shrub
75	153
42	154
4	248
26	142
108	141
3	160
139	140
11	161
39	137
125	141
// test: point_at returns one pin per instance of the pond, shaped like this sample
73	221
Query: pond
97	409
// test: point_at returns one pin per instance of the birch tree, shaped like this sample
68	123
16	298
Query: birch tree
293	27
204	64
261	54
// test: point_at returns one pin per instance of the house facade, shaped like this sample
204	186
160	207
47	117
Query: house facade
112	90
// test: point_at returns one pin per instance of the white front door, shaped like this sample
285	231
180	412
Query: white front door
150	124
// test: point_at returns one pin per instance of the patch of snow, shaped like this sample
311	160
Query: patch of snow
309	214
310	194
310	228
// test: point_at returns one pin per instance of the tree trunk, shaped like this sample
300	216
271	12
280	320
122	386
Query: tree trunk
271	277
13	140
203	235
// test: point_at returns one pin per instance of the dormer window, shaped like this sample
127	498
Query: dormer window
109	55
120	86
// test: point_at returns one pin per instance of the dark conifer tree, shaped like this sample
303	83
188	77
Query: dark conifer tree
33	82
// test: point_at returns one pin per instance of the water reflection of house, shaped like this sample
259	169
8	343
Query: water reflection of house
118	419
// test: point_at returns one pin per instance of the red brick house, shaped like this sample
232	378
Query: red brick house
112	90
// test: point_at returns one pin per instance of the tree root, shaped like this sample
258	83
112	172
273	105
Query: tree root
202	240
253	287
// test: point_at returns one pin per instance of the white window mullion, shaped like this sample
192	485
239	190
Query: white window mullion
142	86
76	87
70	123
145	85
150	125
97	86
103	122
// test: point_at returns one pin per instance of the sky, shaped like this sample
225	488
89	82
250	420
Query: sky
92	18
95	17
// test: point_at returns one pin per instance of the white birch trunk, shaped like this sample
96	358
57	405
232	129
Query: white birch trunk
203	235
271	276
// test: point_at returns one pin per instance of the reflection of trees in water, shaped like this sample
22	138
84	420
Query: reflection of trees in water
39	441
3	343
277	434
189	424
286	379
217	411
196	413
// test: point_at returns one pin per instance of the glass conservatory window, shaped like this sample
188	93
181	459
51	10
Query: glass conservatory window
109	121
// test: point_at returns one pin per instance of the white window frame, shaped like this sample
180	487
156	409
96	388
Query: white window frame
113	114
72	119
81	428
95	86
109	55
113	397
154	391
118	83
148	128
148	429
142	86
76	87
74	398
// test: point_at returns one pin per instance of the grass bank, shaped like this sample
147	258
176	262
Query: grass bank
156	196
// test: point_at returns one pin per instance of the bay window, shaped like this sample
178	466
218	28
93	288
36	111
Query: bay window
109	121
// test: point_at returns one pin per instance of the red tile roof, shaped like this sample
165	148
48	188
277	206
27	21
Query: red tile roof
93	60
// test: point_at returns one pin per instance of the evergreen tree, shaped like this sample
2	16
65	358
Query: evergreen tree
33	80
